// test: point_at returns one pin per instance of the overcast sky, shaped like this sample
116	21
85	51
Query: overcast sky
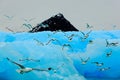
98	13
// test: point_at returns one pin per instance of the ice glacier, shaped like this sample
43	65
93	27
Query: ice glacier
63	51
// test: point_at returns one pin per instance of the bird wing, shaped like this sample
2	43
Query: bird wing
60	66
48	42
88	25
82	33
21	66
38	69
89	32
9	29
81	59
87	59
107	42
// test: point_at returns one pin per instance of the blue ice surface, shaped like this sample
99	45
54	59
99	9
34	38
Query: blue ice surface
56	50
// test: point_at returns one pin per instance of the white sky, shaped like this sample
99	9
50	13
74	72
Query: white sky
98	13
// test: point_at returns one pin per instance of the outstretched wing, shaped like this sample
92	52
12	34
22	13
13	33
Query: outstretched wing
87	59
38	69
88	25
82	33
89	32
9	29
107	42
21	66
50	41
81	59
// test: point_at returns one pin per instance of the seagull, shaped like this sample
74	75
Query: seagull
70	37
52	40
56	31
108	54
29	20
39	42
88	26
9	17
84	61
24	69
111	44
85	36
9	29
98	64
104	69
29	26
66	45
29	59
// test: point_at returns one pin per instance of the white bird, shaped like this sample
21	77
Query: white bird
54	32
108	54
84	61
108	44
39	42
29	26
52	40
9	29
70	37
98	64
66	45
85	36
88	26
9	17
24	69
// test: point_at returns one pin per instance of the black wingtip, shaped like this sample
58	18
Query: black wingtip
50	68
7	58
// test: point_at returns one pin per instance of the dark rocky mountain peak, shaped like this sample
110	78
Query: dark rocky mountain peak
55	23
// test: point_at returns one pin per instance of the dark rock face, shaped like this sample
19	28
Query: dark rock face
55	23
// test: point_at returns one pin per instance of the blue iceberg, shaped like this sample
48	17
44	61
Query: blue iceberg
72	55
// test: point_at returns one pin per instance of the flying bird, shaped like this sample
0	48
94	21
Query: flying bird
56	31
39	42
29	20
108	44
85	36
9	29
70	37
108	54
88	26
98	64
29	26
66	45
84	61
24	69
29	59
52	40
9	17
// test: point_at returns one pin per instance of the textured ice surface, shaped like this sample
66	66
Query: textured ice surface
63	52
